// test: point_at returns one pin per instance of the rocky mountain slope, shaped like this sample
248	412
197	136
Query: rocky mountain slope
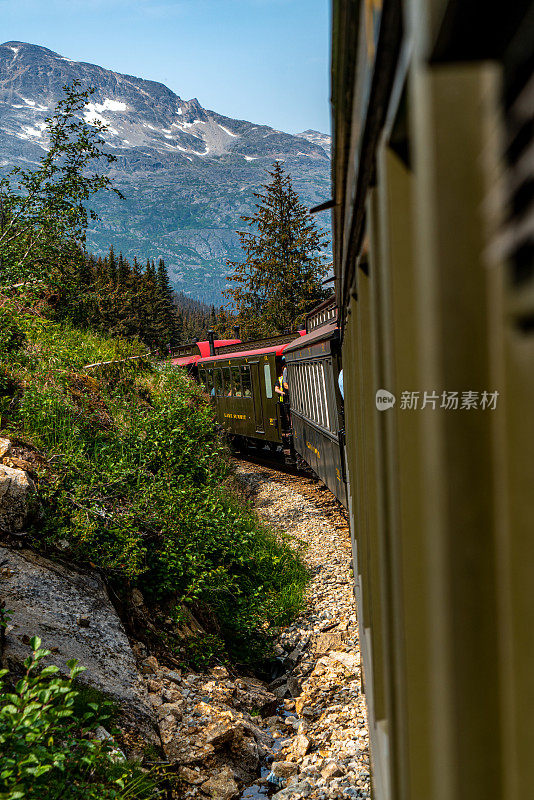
187	173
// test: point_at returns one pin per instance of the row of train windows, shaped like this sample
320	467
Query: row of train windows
228	381
322	318
308	392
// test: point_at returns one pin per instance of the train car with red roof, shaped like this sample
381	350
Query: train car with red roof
241	379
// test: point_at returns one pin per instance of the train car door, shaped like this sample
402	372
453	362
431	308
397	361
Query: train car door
257	395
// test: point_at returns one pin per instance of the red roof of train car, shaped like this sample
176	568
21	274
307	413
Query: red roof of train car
276	349
204	347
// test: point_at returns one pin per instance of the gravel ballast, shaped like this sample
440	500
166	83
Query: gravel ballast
321	737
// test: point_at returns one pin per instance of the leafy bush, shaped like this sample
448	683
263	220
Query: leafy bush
11	334
142	486
48	751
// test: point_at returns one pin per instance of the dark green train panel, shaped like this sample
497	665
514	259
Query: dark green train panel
313	366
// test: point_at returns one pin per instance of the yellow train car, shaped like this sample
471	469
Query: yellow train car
433	211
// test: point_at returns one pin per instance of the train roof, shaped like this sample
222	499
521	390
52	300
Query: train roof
325	332
204	351
262	351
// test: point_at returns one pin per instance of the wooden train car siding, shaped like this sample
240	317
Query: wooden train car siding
435	280
242	389
313	368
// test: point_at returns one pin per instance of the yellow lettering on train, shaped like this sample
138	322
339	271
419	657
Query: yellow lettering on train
313	449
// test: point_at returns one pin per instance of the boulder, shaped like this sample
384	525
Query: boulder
191	776
179	749
294	685
16	493
300	746
351	661
221	786
253	695
47	599
223	732
284	769
5	447
331	770
324	642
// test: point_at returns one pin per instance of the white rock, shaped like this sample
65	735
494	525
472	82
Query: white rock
16	491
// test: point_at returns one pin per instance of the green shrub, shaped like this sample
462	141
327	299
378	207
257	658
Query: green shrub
11	334
142	486
48	748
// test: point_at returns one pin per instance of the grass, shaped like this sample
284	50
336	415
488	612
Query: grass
138	483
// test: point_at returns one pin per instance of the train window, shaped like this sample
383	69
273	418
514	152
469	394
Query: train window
303	376
218	383
292	380
323	395
327	415
209	382
294	387
318	398
320	414
300	390
236	380
268	381
246	381
227	382
313	393
319	395
308	387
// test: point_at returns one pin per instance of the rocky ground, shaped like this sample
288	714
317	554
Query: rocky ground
305	734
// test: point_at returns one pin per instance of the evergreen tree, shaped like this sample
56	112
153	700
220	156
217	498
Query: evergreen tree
123	271
112	269
164	284
86	272
222	324
280	279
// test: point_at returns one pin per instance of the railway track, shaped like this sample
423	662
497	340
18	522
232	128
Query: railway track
300	478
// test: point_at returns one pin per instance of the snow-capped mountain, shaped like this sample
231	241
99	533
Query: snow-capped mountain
316	137
187	173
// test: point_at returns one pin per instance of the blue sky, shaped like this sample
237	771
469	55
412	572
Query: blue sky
262	60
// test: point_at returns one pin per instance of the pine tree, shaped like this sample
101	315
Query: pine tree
112	269
86	272
280	279
222	324
123	272
164	284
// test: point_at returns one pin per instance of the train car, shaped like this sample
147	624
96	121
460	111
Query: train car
240	380
313	366
433	214
188	355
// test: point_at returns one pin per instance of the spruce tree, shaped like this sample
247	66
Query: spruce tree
123	271
164	284
112	269
280	279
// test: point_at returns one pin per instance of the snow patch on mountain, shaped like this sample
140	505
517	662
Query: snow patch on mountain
228	132
316	137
